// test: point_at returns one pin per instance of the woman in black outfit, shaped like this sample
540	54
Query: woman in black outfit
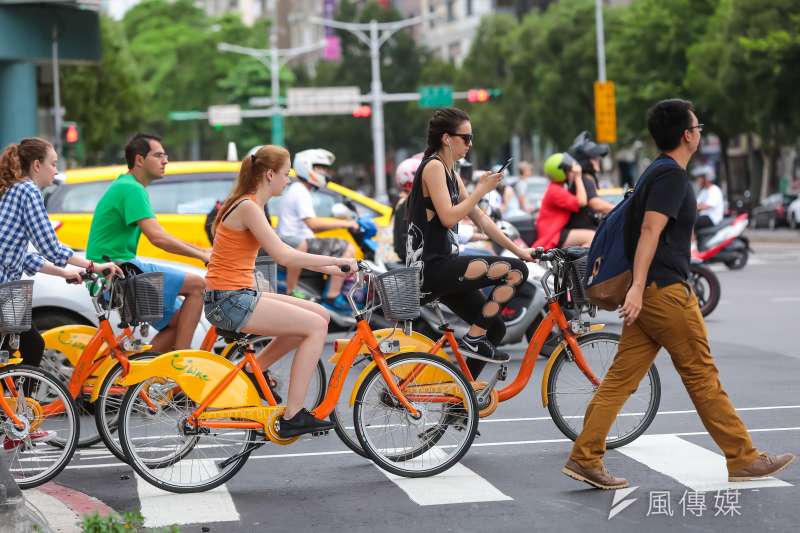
438	201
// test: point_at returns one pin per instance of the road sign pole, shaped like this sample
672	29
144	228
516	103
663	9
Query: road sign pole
601	40
277	111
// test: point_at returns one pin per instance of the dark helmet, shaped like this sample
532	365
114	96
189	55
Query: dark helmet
584	149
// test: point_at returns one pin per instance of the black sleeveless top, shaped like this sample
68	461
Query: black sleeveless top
429	240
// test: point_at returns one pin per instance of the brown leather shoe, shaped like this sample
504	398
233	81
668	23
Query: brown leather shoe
765	466
598	478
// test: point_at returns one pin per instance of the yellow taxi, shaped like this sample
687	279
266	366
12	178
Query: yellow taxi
181	201
612	194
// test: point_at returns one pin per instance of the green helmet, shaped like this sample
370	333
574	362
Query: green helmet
557	165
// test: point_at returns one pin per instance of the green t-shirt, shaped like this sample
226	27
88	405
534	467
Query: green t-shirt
115	232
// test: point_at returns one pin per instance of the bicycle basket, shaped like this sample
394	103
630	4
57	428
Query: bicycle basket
143	297
15	306
399	293
574	274
265	274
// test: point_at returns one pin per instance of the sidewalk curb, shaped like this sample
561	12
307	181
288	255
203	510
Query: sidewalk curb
64	507
778	236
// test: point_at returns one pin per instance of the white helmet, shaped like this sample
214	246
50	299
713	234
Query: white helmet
405	171
305	161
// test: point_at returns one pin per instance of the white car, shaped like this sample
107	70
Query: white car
57	303
793	214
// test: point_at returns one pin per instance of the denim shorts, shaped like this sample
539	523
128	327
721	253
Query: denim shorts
230	310
173	281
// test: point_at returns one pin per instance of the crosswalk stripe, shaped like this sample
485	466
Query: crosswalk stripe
459	484
691	465
160	508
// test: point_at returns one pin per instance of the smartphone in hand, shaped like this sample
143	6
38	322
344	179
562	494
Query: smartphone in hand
505	165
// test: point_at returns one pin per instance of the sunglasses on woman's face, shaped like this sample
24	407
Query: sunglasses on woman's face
466	137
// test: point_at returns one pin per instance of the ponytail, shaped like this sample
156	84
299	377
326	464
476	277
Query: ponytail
16	160
10	170
268	157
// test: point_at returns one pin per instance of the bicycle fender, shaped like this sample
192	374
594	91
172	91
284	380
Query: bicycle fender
197	373
364	373
552	359
70	340
416	342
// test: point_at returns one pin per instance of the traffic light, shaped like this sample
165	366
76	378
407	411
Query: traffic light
362	111
482	95
71	134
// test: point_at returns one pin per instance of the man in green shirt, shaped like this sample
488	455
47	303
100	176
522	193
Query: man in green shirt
122	215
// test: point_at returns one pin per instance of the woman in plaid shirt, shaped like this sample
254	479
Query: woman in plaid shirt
25	168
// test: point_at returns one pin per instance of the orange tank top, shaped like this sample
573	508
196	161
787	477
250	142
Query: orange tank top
233	258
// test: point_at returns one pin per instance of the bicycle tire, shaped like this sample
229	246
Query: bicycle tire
392	462
69	444
560	419
105	427
147	470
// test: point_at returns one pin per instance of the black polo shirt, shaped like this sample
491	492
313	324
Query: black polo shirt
670	193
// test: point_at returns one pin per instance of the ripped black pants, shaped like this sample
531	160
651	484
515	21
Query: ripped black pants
456	281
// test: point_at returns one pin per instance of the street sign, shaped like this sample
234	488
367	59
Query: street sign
186	115
605	112
435	96
322	100
224	115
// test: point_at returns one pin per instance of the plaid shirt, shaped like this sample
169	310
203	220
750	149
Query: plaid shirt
23	220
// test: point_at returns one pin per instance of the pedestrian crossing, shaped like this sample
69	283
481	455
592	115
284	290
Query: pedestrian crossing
671	455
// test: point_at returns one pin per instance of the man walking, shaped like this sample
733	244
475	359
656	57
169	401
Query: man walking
661	310
122	215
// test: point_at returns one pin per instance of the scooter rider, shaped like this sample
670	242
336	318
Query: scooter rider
298	222
710	202
589	155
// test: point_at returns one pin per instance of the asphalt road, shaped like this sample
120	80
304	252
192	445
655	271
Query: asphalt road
511	476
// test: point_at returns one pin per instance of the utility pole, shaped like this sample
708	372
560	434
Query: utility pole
378	34
601	40
273	59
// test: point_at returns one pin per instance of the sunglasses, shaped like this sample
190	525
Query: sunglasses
466	137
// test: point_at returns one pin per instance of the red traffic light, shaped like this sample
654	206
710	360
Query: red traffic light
71	135
478	95
362	111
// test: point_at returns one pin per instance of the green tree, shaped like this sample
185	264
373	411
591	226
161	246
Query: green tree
487	65
553	61
105	99
648	56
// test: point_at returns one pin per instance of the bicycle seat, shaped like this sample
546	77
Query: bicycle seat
575	252
232	336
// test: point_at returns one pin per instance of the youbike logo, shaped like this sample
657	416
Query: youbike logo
619	504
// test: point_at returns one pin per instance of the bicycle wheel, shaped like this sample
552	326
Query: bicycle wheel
422	447
162	448
57	363
48	413
569	391
705	284
342	415
106	408
280	372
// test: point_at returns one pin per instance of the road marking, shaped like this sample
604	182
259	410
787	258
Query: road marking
459	484
785	299
474	445
161	508
689	464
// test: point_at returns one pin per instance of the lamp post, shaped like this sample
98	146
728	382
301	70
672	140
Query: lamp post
374	34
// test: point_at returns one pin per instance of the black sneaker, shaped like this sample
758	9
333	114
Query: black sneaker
301	423
271	383
481	348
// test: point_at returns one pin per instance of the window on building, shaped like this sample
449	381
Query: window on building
469	8
451	16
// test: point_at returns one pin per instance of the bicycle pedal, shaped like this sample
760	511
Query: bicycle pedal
320	433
